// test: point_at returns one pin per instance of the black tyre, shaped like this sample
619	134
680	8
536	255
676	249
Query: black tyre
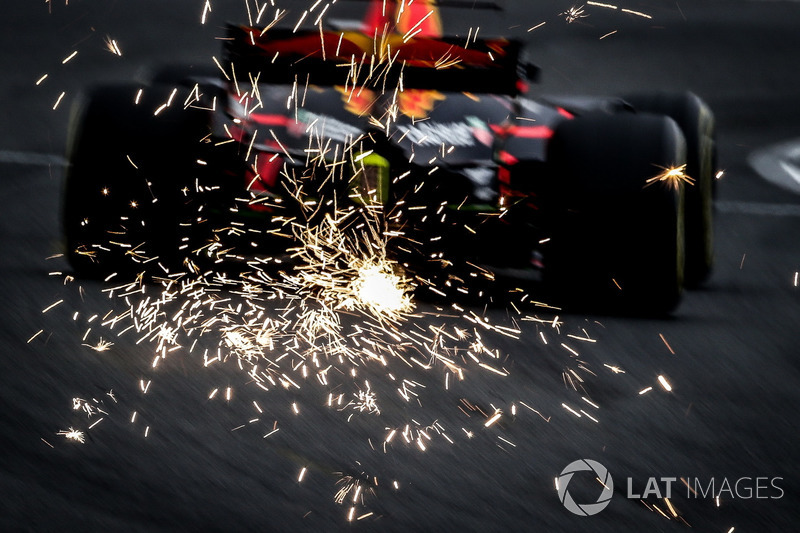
696	121
127	197
617	240
182	74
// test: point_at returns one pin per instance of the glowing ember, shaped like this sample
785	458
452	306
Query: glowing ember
73	434
674	177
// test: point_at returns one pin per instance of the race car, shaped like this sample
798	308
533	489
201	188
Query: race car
609	199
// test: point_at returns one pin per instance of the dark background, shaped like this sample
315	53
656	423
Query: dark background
732	411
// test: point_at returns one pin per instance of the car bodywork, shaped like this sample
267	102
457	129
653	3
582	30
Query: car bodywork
434	136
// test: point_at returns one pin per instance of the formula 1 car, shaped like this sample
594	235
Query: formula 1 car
609	198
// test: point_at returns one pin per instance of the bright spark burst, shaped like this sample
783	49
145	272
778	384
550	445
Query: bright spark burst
573	14
112	46
101	345
673	177
72	434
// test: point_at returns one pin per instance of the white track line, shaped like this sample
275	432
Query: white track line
31	158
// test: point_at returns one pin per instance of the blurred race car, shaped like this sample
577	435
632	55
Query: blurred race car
610	199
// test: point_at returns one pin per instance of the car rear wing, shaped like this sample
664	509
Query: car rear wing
486	5
328	58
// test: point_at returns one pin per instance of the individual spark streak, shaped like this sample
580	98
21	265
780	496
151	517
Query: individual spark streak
671	508
58	100
73	434
664	340
587	400
51	306
537	26
664	383
615	369
637	13
206	11
507	441
69	57
41	80
609	34
645	390
598	4
673	177
547	419
35	335
300	21
494	418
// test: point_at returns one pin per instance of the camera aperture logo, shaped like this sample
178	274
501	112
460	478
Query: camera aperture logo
600	472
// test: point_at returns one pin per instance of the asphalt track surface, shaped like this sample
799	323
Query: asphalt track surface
730	352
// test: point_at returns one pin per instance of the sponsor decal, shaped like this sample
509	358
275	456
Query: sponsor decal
325	126
438	133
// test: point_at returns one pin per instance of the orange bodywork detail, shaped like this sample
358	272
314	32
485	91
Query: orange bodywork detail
420	18
417	103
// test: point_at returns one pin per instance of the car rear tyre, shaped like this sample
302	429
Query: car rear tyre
696	121
618	239
128	190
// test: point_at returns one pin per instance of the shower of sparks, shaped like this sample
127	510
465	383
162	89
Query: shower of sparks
90	408
354	489
364	401
338	304
673	177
